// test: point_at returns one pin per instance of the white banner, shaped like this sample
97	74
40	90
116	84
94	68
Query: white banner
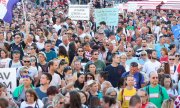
8	78
79	12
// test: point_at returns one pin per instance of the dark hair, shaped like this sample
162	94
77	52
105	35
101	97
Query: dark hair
32	92
81	27
48	76
90	75
62	62
109	100
51	62
84	95
171	46
134	100
166	76
52	90
47	42
94	50
102	23
119	29
75	100
104	75
67	68
4	103
62	51
166	67
94	102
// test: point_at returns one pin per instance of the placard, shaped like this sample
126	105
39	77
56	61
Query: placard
8	78
109	15
79	12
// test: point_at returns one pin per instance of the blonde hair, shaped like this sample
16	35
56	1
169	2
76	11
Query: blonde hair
169	103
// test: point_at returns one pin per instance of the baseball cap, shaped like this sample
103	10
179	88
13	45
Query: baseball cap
134	64
43	54
16	52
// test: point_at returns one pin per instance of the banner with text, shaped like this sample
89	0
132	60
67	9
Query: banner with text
8	78
79	12
109	15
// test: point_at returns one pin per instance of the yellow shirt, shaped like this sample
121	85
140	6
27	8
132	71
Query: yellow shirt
125	96
63	57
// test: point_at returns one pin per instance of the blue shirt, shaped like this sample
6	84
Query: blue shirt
40	93
139	79
133	59
50	55
158	48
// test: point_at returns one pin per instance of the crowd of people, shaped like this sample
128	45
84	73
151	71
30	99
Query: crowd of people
62	63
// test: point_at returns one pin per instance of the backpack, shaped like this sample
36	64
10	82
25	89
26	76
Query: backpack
10	63
160	90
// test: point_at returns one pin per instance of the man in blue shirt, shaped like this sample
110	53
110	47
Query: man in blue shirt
139	78
49	53
44	81
115	70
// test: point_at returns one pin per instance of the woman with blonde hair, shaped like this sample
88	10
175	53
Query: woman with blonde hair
169	103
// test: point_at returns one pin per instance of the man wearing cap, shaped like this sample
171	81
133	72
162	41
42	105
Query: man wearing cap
42	61
15	62
139	78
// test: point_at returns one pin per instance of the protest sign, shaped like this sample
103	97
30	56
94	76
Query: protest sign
176	31
79	12
8	78
109	15
132	7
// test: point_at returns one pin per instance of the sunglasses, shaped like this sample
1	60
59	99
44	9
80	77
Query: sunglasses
177	55
143	54
171	59
26	61
26	71
96	54
154	77
26	76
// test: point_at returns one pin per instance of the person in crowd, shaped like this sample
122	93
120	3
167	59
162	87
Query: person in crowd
115	70
63	54
51	92
50	55
45	80
58	101
79	83
172	49
94	102
31	100
4	58
167	82
3	103
152	64
126	93
109	102
111	91
92	69
62	65
130	58
15	62
72	100
42	61
164	55
135	102
77	67
139	78
100	65
154	88
56	80
143	58
123	59
19	94
169	103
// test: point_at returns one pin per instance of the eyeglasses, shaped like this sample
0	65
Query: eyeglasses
154	77
80	51
177	55
96	54
26	61
33	60
89	77
26	71
143	54
171	59
26	76
32	48
128	51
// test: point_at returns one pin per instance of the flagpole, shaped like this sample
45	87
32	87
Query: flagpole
24	11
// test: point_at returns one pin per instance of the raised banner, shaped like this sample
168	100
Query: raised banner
79	12
6	7
8	78
109	15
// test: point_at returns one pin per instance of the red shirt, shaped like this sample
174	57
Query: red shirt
144	105
164	59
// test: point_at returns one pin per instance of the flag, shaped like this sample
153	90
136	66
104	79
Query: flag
6	7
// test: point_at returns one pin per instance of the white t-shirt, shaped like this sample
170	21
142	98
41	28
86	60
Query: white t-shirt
13	65
4	61
38	104
57	27
151	67
40	46
56	80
